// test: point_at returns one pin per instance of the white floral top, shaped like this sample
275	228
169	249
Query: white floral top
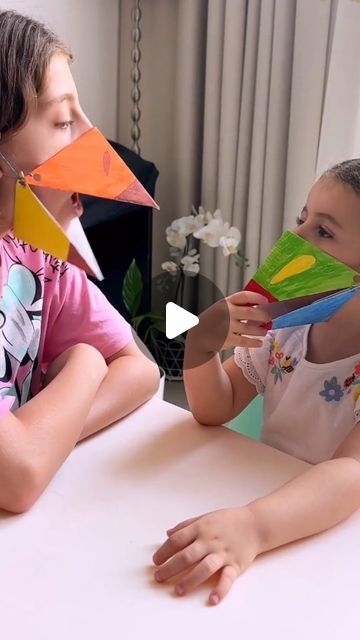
309	408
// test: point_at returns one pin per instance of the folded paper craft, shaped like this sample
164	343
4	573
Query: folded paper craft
310	312
303	284
89	165
35	224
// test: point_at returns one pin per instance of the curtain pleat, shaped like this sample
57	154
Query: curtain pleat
246	82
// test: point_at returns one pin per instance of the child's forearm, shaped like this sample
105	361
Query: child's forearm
130	381
208	387
318	499
37	438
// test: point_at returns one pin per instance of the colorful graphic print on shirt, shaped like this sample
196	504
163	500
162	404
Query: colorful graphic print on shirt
333	390
21	307
20	319
282	363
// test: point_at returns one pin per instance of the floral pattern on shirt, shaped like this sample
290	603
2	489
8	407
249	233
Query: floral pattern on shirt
333	389
281	363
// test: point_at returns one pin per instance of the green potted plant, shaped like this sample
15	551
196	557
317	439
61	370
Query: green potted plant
151	326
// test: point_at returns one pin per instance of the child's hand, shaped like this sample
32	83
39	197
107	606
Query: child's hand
246	319
226	541
231	322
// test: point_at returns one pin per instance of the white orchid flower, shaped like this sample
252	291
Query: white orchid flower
230	241
188	224
169	266
192	269
199	218
198	222
213	231
175	238
217	215
190	264
190	258
183	225
199	212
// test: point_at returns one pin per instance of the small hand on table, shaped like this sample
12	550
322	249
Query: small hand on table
225	541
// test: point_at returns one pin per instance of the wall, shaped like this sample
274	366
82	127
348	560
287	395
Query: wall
90	28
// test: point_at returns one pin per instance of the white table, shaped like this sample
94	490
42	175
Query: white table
78	564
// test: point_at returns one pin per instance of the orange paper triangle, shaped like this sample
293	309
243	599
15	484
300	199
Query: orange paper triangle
90	165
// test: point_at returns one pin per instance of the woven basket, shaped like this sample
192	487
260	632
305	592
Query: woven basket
169	354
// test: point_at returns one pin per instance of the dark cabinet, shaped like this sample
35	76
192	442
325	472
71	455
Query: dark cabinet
120	231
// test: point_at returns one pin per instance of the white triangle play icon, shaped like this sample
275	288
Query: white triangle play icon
178	320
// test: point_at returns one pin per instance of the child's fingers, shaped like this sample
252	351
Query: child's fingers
202	572
251	314
244	341
226	581
247	298
176	542
245	328
181	525
181	561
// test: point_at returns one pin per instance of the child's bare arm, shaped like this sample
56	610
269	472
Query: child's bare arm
227	541
131	380
37	438
218	392
318	499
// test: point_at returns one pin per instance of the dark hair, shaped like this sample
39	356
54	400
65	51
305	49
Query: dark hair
26	48
347	172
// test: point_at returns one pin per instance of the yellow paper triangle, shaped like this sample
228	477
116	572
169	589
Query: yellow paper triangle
34	224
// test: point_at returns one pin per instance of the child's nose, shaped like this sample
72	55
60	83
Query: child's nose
302	231
83	123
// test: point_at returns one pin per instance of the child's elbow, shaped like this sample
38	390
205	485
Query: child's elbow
22	490
207	419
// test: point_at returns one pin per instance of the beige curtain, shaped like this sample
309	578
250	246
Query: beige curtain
340	129
232	101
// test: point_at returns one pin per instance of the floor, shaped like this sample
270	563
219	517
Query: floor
175	393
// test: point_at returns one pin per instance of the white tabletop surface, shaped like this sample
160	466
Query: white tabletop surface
78	564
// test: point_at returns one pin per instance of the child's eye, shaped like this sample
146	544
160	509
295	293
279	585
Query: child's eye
324	233
64	125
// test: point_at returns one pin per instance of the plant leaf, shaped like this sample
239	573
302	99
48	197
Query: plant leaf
137	320
160	326
132	288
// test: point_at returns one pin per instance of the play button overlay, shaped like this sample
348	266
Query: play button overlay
178	320
182	306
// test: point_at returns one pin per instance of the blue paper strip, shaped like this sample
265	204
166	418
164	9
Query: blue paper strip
318	311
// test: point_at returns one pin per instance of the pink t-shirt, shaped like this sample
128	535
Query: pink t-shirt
47	306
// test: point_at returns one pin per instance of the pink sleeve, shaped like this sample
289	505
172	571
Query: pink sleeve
79	312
